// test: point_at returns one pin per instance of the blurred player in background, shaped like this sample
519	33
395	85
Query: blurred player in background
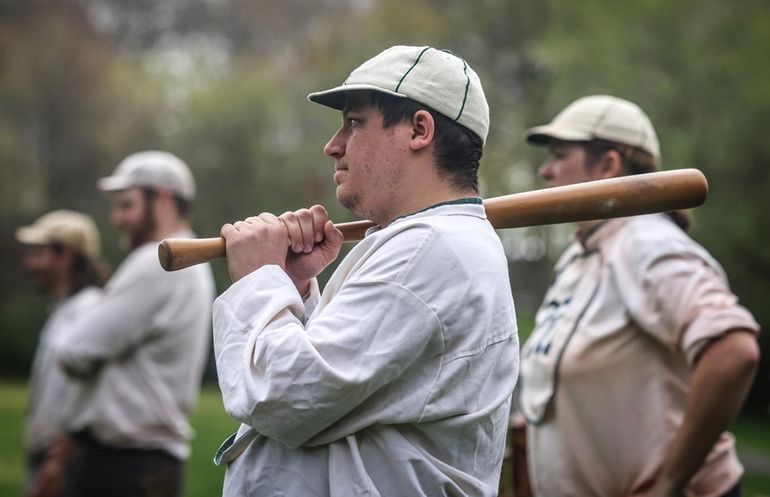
62	256
641	356
140	353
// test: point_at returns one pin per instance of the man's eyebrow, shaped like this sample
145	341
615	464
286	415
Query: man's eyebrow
353	110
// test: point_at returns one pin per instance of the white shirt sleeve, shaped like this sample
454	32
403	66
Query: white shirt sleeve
678	293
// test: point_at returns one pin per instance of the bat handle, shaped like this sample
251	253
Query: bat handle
179	253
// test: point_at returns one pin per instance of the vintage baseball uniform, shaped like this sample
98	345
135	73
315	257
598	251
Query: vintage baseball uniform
605	373
51	392
395	381
141	353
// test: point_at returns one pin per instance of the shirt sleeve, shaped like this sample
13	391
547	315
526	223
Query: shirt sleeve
291	381
119	323
679	294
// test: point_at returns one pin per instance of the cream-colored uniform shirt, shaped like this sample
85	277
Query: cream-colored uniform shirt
605	373
51	392
140	354
399	382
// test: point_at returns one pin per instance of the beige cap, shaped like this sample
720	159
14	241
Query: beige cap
599	116
435	78
151	168
71	229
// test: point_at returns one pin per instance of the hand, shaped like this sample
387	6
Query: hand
255	242
314	243
49	480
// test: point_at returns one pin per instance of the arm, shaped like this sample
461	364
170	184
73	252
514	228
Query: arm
121	321
49	480
291	382
719	385
679	294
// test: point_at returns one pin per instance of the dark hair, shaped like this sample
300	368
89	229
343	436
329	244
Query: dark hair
635	161
85	271
183	206
457	149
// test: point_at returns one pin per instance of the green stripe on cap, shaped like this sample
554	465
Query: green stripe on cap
467	85
410	69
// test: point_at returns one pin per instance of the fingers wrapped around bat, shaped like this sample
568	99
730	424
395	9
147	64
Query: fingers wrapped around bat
305	227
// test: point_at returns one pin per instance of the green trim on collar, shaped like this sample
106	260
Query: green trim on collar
459	201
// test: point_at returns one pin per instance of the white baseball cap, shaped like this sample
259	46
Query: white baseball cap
70	229
151	168
435	78
599	116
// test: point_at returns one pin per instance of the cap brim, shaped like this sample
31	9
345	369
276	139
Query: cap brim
30	235
543	135
114	183
336	97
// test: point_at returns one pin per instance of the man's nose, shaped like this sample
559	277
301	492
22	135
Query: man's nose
335	147
545	171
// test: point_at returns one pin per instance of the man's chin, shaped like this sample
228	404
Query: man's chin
350	202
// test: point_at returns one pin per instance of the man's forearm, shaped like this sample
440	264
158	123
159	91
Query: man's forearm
719	385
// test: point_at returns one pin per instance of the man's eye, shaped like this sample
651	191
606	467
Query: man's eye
353	123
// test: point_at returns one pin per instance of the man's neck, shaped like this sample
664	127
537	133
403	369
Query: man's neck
170	228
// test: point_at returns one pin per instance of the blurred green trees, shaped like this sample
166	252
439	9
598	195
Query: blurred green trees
223	85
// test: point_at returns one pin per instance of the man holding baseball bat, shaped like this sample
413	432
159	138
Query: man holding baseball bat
139	354
395	380
641	355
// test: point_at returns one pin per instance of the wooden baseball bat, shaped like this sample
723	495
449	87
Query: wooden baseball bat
602	199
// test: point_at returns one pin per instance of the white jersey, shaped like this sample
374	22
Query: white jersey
51	392
396	381
141	354
605	373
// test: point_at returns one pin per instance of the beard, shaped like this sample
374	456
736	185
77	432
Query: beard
42	281
350	201
135	236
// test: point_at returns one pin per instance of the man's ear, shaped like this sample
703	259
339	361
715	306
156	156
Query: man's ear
423	129
65	259
610	165
163	195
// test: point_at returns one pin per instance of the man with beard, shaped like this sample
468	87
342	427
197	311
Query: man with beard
62	256
141	352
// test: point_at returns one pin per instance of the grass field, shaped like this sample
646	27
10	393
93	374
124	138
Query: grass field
212	425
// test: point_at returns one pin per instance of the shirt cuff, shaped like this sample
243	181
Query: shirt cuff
714	324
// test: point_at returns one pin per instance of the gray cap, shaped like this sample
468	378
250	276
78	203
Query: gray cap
70	229
436	78
153	169
599	116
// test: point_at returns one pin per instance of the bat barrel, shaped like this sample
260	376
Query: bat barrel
633	195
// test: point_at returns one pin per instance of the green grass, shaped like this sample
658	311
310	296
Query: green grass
212	426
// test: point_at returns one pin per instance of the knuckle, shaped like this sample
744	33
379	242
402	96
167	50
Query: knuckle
319	209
